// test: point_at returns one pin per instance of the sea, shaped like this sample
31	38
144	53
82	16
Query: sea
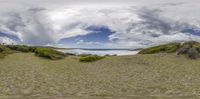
100	52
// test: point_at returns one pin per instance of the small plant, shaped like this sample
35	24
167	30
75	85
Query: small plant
90	58
49	53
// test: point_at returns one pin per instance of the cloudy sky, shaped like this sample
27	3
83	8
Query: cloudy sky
98	23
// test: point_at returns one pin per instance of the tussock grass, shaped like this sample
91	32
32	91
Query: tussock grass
169	48
190	49
41	52
49	53
90	58
4	51
21	48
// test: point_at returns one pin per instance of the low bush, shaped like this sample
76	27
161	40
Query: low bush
190	44
4	51
90	58
21	48
49	53
172	47
169	48
32	49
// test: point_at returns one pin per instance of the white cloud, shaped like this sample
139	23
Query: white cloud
136	23
82	42
6	40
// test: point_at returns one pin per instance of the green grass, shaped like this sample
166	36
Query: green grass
90	58
169	48
49	53
21	48
4	51
150	76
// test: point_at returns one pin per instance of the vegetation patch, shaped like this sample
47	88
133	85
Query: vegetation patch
70	54
49	53
4	51
90	58
169	48
191	49
21	48
32	49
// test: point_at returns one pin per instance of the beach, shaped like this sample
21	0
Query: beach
162	76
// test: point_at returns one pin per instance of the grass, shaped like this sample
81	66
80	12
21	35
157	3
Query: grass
150	76
90	58
190	49
169	48
21	48
4	51
49	53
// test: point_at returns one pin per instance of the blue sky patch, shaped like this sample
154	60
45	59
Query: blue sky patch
192	32
95	34
15	38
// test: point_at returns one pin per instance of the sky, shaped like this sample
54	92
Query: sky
98	23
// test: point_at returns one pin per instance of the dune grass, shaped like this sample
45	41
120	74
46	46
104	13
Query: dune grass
160	76
21	48
169	48
44	52
91	58
4	51
49	53
191	49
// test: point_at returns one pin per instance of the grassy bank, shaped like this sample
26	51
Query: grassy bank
45	52
142	76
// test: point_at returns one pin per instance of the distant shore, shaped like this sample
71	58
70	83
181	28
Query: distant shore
100	52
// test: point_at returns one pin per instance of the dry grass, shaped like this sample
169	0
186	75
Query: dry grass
160	76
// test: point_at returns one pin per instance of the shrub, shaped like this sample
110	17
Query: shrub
21	48
4	51
32	49
172	47
196	45
193	53
90	58
197	48
169	48
190	44
49	53
152	50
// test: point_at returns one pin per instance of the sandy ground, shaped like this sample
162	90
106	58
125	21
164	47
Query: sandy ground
158	76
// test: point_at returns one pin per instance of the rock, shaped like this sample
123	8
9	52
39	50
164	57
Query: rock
193	53
182	51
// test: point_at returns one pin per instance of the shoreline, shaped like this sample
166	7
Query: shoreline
100	52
